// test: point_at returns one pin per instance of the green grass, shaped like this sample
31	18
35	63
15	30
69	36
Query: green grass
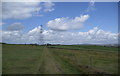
100	61
86	47
71	59
19	59
0	59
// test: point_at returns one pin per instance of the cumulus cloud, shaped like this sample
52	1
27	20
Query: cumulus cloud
66	23
22	10
93	36
15	27
19	10
11	36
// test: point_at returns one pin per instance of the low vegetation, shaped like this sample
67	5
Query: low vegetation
59	59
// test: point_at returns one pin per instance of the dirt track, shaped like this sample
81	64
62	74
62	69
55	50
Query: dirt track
48	64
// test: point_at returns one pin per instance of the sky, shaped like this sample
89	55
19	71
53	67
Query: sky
63	22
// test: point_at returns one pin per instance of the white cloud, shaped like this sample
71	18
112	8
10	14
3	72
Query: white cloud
96	35
48	6
19	10
15	27
11	36
22	10
91	6
65	23
93	36
26	1
2	23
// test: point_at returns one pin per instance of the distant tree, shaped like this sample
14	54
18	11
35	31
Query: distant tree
4	43
48	44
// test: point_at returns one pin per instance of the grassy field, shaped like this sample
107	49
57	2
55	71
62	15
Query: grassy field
86	47
0	59
63	59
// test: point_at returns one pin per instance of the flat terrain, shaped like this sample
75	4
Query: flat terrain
62	59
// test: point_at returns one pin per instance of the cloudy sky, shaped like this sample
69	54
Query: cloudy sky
63	22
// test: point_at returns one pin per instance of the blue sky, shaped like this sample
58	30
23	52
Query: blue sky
63	22
104	16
